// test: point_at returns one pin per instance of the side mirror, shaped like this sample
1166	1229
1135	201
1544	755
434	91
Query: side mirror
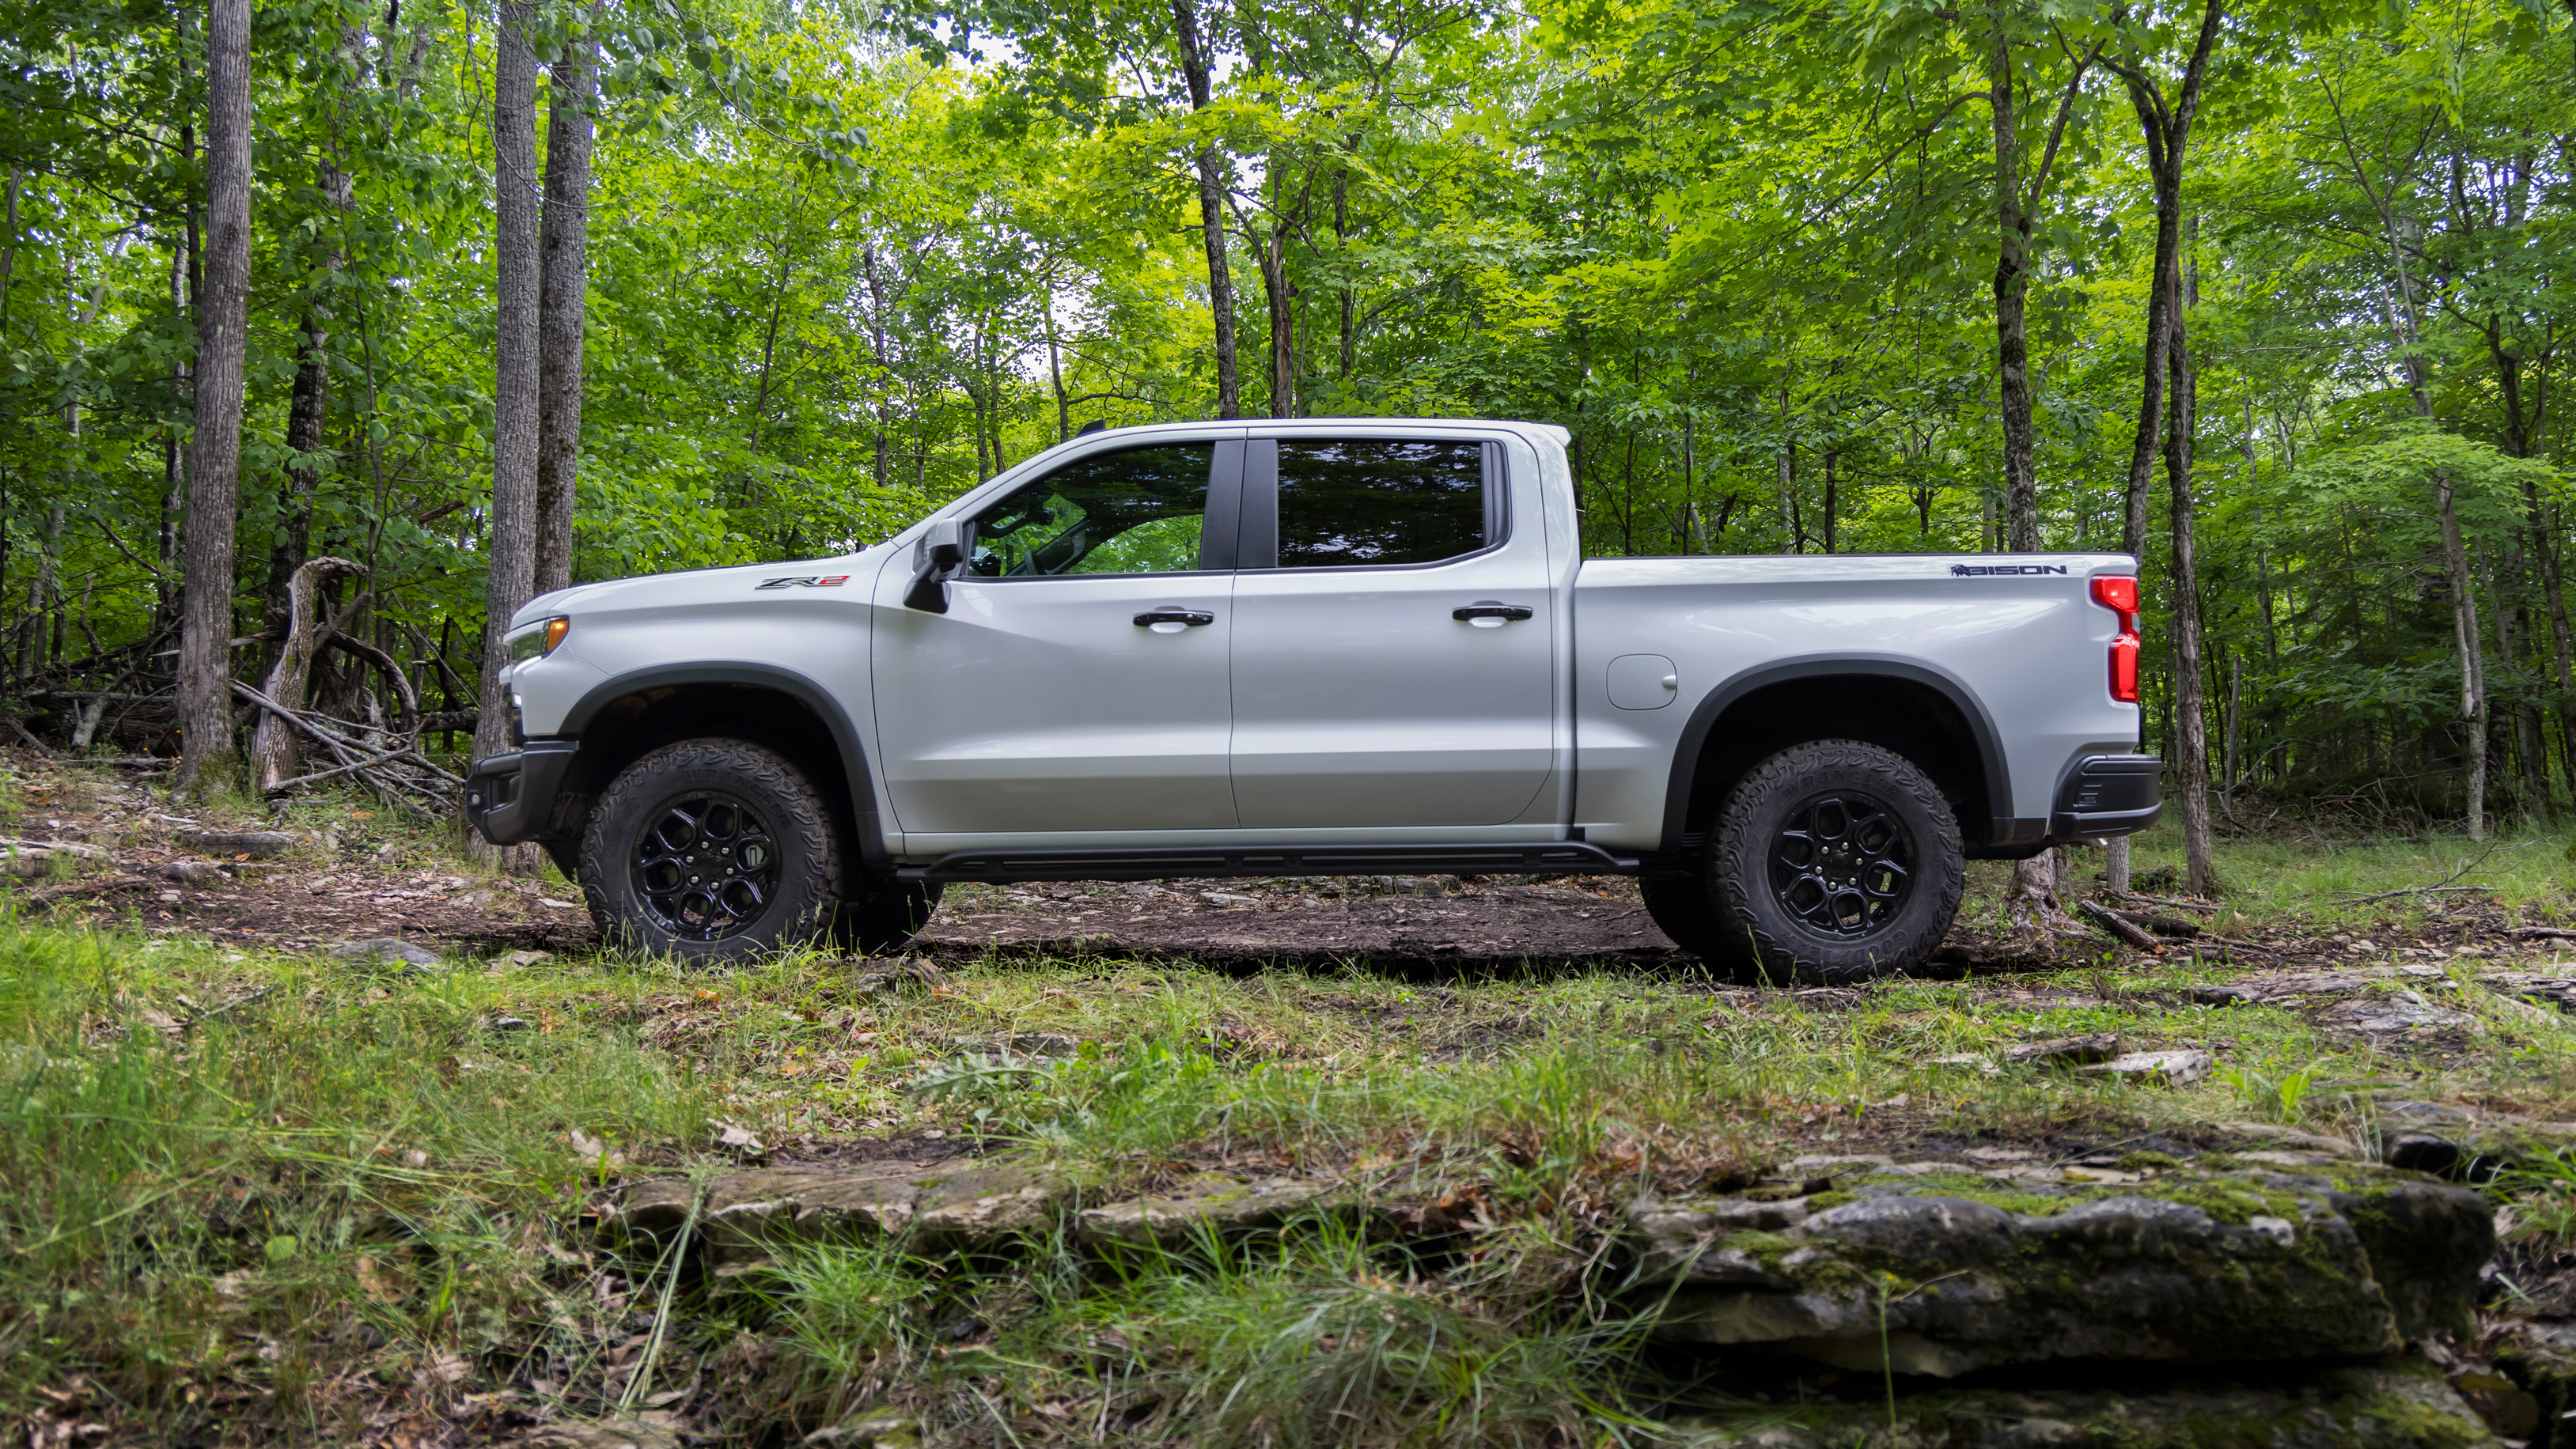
942	549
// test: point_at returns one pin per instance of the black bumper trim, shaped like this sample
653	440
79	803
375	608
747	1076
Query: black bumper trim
510	797
1554	857
2108	795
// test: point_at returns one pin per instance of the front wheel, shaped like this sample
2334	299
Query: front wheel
711	851
1832	862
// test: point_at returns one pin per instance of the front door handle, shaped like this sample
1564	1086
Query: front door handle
1177	616
1491	610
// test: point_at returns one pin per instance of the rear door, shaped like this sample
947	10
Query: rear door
1393	627
1078	680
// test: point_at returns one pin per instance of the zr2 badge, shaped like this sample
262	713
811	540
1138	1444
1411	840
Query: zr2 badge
809	581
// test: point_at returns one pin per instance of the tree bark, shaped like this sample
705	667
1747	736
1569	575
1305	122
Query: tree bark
205	639
307	408
2190	716
514	394
564	238
2167	135
276	748
1273	256
1194	69
2012	284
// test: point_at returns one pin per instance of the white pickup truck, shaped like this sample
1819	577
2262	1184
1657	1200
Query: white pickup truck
1317	647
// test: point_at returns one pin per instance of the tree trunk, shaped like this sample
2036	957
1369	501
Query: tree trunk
276	752
1211	169
307	408
2190	702
563	272
2464	629
2012	284
205	640
1273	256
2167	135
514	400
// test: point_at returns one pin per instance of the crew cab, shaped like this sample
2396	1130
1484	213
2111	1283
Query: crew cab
1317	647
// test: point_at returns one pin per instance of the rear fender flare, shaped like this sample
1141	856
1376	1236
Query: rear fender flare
1688	752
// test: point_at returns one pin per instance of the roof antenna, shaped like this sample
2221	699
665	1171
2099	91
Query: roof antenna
1089	428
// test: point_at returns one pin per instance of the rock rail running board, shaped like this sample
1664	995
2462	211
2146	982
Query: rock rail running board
1554	857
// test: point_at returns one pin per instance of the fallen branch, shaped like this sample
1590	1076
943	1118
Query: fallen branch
2440	887
2543	933
2201	906
2121	927
51	894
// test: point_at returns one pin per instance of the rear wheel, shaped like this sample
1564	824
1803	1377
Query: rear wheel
711	850
1832	862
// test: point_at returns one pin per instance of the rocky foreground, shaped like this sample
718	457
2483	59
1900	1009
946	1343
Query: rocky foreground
2289	1294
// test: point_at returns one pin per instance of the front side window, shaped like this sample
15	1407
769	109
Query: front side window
1358	502
1135	512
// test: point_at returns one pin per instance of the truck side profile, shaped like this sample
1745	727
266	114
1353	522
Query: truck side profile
1309	647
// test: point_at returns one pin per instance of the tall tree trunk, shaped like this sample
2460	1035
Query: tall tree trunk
2190	713
2012	283
514	389
2166	131
1273	255
308	406
205	639
564	269
877	350
1211	169
308	410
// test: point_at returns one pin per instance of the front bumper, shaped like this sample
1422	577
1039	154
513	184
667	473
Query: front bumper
510	797
2108	795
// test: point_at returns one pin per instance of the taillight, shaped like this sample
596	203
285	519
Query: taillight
2119	594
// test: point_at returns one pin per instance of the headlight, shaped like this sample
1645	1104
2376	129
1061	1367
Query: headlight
539	639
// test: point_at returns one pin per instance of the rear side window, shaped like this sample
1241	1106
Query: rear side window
1358	502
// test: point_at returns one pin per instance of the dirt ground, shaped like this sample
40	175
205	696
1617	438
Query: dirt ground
357	874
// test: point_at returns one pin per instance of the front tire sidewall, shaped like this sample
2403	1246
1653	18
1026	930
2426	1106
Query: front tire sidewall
1763	938
807	898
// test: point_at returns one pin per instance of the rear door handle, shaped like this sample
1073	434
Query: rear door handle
1489	610
1187	616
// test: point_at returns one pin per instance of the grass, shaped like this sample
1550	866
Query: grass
255	1198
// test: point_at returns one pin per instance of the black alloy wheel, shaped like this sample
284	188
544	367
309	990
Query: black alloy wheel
1842	865
712	851
707	867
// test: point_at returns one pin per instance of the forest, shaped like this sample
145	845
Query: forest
434	306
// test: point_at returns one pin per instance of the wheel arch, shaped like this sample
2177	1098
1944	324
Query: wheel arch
1902	705
622	718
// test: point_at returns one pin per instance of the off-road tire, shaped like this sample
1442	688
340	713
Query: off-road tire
894	915
1752	935
806	898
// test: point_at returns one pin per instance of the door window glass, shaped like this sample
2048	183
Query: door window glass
1135	512
1357	502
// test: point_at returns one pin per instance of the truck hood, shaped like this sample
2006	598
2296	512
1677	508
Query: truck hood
696	585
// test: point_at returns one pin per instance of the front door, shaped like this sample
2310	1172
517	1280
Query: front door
1078	680
1394	669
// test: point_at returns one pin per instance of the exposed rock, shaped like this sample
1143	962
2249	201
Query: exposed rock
1946	1274
974	1207
2393	1406
2066	1051
192	872
2170	1069
2397	1011
1210	1201
257	844
875	1431
2450	1140
386	949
